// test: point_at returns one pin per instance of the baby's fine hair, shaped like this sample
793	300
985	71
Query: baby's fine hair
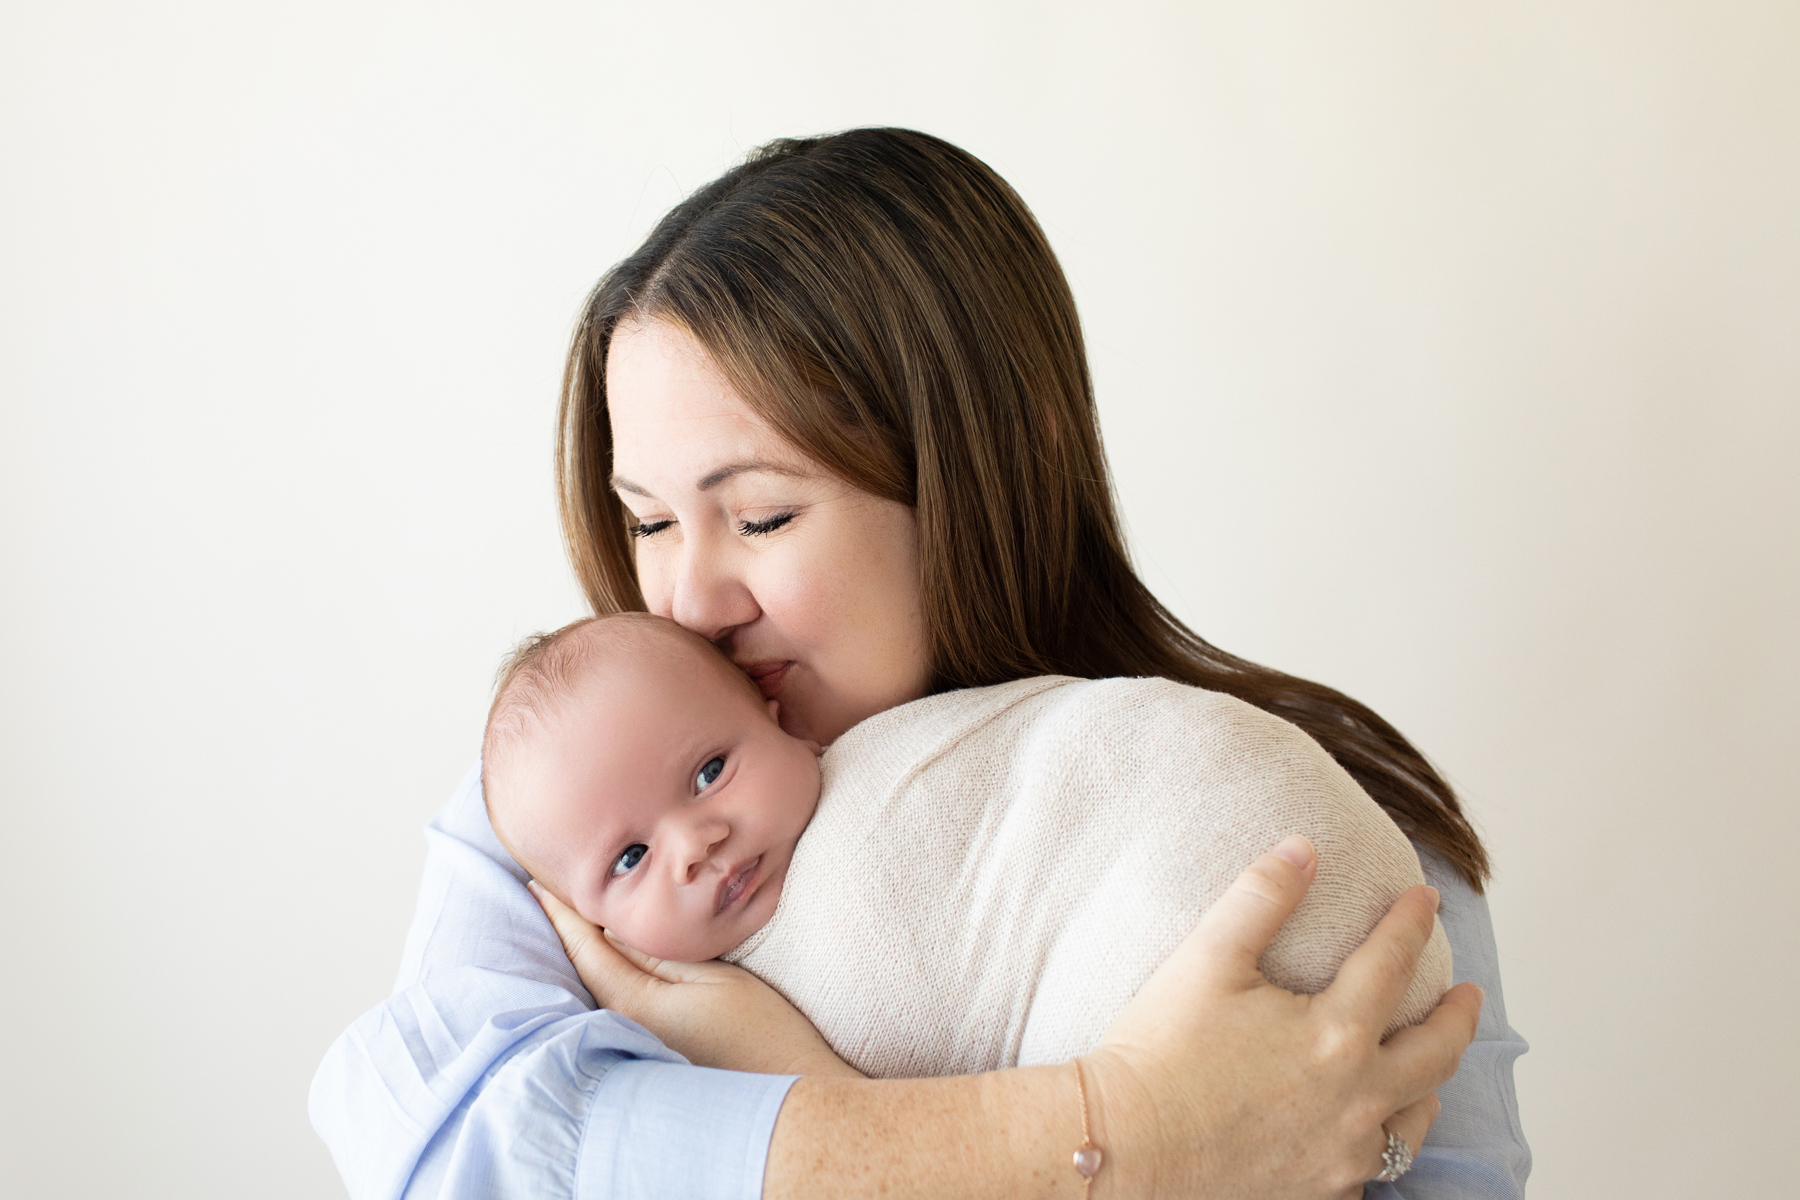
543	670
533	676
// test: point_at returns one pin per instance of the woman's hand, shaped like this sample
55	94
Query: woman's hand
1214	1081
711	1013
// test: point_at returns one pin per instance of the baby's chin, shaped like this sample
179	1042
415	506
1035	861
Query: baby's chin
683	949
718	939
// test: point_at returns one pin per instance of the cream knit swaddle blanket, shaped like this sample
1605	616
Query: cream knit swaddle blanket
993	873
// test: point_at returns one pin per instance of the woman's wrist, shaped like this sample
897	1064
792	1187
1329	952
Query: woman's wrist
1123	1124
1040	1110
1001	1134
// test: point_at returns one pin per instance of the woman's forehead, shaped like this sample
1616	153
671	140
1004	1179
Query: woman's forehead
662	346
678	423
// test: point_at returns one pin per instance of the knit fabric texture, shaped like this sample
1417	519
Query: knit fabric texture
993	873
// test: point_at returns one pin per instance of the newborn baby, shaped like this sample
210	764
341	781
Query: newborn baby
986	877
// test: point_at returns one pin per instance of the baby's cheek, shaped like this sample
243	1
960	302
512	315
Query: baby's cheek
648	924
595	914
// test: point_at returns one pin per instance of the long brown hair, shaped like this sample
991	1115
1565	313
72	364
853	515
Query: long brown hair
890	306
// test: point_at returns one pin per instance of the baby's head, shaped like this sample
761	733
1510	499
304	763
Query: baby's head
642	779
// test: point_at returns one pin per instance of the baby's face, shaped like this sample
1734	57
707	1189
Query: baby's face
662	802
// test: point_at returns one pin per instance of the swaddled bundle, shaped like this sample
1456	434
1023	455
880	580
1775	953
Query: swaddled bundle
992	874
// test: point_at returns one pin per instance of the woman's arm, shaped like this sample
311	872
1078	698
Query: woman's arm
489	1073
1476	1150
1211	1082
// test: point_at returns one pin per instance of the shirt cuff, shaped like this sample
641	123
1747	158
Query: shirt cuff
661	1129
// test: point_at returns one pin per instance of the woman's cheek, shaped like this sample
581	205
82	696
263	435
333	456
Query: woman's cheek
794	592
657	594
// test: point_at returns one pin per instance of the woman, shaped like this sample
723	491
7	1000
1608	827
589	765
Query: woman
835	416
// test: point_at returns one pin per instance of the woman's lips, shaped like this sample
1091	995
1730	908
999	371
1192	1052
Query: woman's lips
768	676
737	884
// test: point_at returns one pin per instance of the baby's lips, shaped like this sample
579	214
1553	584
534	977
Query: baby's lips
736	884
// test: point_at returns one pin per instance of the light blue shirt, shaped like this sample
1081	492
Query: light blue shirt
489	1072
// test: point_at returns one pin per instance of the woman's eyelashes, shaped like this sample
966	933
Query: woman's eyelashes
644	529
753	528
711	771
633	855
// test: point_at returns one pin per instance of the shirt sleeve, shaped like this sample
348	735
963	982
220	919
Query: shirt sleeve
490	1073
1476	1149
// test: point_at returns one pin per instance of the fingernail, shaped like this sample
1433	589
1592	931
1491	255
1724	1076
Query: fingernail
1435	898
1296	850
531	885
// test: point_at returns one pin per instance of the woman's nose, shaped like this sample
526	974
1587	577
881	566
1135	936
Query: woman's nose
707	595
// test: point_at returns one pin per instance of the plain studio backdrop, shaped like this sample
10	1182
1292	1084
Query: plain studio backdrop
1447	354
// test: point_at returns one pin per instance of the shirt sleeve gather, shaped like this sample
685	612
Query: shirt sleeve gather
1476	1149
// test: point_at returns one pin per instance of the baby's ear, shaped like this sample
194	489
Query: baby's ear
775	716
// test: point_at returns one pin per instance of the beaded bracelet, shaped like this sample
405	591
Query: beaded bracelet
1088	1156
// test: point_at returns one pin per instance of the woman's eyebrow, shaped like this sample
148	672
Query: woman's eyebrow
752	467
713	479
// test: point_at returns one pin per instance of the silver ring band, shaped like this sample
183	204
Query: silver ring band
1396	1160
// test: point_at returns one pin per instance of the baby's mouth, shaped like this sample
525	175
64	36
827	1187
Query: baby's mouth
736	885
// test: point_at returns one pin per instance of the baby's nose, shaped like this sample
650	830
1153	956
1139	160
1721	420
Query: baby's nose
699	838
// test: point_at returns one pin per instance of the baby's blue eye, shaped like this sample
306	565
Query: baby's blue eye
632	857
708	773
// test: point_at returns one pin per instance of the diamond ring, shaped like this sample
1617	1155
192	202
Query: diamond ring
1396	1160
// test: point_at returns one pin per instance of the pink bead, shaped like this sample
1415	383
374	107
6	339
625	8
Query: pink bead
1087	1161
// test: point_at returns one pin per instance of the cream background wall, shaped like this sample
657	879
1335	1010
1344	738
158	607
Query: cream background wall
1450	354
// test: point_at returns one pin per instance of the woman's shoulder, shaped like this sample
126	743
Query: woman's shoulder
1198	714
1203	721
1203	746
1109	724
938	721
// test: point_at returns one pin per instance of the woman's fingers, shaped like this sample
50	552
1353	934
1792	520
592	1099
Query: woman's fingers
1235	931
1308	1074
1426	1055
715	1014
667	970
1218	959
605	971
1374	979
1411	1123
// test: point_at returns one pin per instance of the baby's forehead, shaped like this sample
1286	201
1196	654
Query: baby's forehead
660	649
663	648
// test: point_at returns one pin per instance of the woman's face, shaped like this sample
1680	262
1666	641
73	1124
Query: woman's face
805	582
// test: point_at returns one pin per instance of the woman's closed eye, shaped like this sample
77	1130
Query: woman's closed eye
712	770
644	529
634	854
769	525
